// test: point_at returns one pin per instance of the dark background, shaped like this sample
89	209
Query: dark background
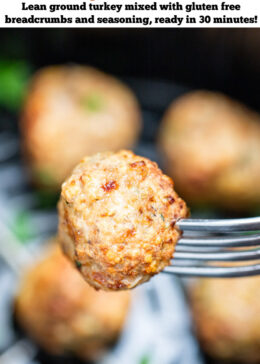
219	59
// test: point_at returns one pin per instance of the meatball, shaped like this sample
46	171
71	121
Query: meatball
64	314
211	147
117	215
70	112
227	318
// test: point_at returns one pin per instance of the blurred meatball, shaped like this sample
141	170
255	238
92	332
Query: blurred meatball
211	147
73	111
117	219
227	318
64	314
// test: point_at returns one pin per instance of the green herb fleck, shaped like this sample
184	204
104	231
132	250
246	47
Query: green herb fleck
162	217
78	264
14	77
22	226
145	360
93	102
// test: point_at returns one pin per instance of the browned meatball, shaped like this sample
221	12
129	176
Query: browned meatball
73	111
211	147
227	318
117	219
64	314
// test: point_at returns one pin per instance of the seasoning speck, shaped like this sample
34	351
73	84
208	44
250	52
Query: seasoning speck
78	264
111	185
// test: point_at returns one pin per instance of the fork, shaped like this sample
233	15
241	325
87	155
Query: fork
212	241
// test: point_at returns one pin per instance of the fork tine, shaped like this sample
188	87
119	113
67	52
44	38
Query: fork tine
213	272
231	241
220	226
198	249
251	254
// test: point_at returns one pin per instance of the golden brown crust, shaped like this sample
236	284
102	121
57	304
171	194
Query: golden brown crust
211	147
117	219
73	111
227	318
64	314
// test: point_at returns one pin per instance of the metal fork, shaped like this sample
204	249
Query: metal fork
203	242
213	241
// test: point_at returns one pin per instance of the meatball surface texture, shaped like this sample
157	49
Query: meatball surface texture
117	219
61	312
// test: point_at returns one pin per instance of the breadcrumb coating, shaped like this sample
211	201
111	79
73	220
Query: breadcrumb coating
117	216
